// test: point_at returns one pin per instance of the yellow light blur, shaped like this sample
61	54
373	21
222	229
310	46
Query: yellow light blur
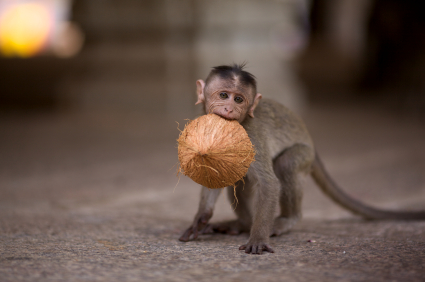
24	29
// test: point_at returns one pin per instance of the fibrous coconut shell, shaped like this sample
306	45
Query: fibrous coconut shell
214	152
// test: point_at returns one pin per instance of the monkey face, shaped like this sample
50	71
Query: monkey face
227	104
227	98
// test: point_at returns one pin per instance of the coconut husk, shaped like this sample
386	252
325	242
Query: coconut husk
214	152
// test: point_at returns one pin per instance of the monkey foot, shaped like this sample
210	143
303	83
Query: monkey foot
256	248
187	235
199	226
283	225
232	227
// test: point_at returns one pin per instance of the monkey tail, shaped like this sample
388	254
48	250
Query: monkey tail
330	188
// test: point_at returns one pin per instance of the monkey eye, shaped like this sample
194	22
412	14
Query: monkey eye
238	100
224	95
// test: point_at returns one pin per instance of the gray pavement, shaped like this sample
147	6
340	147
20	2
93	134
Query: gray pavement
93	197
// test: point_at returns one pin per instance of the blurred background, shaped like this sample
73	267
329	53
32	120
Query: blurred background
101	55
90	91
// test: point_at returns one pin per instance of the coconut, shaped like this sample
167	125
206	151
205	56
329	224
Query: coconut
214	152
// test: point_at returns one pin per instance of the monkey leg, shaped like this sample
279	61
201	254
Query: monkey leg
239	198
287	166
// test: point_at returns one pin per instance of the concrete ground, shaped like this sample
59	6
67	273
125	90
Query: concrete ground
94	197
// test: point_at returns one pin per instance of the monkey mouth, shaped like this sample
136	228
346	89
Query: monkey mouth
226	116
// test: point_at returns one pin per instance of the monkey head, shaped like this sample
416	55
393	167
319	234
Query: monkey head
229	98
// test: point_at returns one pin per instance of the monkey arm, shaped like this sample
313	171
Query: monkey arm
204	214
266	195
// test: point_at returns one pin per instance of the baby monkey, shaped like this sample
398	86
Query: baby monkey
284	149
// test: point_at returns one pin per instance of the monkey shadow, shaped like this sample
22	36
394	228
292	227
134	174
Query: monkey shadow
348	226
346	220
360	220
220	237
304	226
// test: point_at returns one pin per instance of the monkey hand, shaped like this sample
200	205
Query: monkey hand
256	247
199	226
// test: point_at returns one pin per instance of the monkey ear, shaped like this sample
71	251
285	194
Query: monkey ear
200	85
257	99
